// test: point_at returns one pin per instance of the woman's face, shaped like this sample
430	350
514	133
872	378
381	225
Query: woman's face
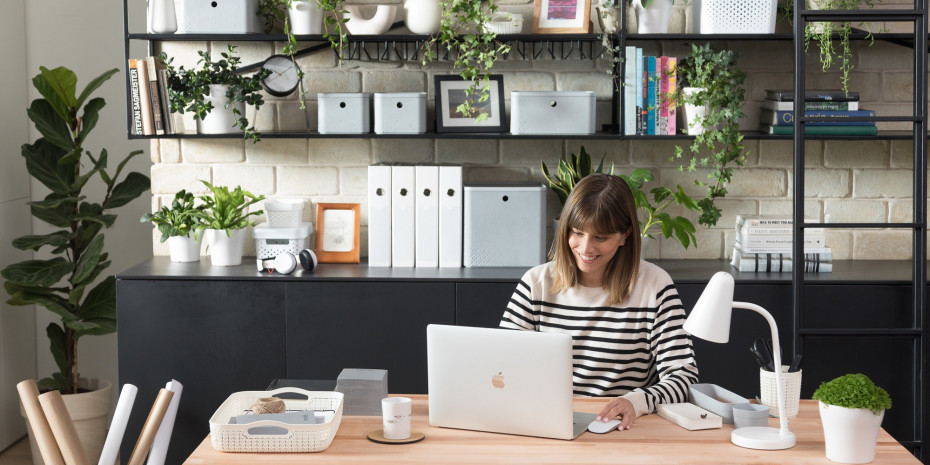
593	252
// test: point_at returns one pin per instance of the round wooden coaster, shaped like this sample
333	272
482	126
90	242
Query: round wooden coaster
378	436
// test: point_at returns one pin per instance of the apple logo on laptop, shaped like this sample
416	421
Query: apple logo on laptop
498	380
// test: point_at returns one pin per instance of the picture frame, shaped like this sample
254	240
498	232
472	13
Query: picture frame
562	16
337	232
450	92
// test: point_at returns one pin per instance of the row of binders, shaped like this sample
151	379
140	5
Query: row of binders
648	84
148	96
415	216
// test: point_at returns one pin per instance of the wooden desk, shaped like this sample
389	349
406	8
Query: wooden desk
652	440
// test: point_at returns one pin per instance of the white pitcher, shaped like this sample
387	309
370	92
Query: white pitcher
422	16
306	17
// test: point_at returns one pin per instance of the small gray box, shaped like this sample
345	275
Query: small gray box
504	225
344	112
562	112
363	389
218	17
400	112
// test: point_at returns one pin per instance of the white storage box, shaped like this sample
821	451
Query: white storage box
570	112
504	225
734	16
344	113
284	213
218	16
400	113
228	437
269	242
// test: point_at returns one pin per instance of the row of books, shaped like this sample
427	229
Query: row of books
835	106
765	244
649	81
148	93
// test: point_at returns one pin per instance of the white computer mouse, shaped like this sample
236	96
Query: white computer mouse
601	427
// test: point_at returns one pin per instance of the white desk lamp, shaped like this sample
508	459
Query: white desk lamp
710	320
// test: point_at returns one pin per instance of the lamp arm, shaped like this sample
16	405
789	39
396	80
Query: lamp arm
776	354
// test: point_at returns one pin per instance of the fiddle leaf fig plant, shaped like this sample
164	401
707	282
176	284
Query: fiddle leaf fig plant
652	212
179	219
226	210
65	283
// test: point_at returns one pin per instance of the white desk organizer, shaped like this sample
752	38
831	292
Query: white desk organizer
569	112
344	113
504	225
400	112
218	16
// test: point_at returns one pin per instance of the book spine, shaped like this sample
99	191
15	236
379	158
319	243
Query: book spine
640	93
742	220
745	249
672	88
651	96
134	97
166	104
158	118
786	117
145	100
662	118
629	91
813	95
775	263
830	105
825	129
776	231
753	240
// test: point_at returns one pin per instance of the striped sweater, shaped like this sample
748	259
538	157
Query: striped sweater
637	350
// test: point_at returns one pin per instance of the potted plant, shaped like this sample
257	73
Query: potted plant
69	280
712	81
215	90
224	219
851	409
180	225
824	33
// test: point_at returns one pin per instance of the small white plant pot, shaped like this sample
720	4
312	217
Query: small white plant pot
220	120
184	248
163	18
609	19
422	16
654	19
305	17
850	434
692	116
377	24
225	250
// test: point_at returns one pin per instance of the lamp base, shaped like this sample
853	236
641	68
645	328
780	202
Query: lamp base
762	437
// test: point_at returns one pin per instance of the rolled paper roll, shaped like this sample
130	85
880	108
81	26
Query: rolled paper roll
150	428
268	405
41	431
118	425
65	435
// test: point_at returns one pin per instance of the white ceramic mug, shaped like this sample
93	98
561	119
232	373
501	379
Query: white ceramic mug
396	413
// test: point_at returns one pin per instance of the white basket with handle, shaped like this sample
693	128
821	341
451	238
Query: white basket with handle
734	16
228	437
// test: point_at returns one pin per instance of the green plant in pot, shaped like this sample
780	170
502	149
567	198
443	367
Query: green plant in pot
224	219
711	91
178	225
71	283
851	409
275	17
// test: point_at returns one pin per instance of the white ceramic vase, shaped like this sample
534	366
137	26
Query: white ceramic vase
220	120
162	16
609	19
422	16
89	413
184	248
378	24
693	115
654	19
305	17
225	250
850	434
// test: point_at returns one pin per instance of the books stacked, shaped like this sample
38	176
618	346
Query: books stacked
648	85
148	93
764	244
777	116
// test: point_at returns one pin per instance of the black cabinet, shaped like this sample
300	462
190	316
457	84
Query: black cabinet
482	304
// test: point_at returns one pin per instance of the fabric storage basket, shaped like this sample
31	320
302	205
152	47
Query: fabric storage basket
566	112
344	112
228	437
400	112
734	16
283	213
269	241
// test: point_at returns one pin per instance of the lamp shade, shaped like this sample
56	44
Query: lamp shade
710	317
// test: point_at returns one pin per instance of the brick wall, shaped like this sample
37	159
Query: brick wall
862	181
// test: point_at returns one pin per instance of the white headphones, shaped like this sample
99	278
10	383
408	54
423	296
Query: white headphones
286	262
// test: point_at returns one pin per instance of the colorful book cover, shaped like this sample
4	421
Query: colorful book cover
662	96
823	130
640	92
785	118
651	95
832	105
672	88
629	91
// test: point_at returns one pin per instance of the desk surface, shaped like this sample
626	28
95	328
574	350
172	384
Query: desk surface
651	440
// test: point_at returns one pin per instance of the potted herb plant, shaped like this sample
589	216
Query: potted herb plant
224	219
180	225
216	93
712	93
851	409
69	279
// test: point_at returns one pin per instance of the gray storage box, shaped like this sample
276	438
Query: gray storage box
218	17
567	112
363	389
400	112
504	225
344	112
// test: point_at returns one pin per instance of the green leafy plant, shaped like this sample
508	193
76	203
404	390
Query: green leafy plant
334	18
180	219
822	33
653	212
63	284
853	391
276	20
720	146
225	210
571	172
187	89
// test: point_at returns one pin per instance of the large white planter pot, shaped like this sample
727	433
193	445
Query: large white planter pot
220	120
422	16
184	248
305	17
850	434
654	19
89	411
692	116
225	250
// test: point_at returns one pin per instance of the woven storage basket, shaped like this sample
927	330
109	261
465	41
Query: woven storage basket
293	438
769	395
735	16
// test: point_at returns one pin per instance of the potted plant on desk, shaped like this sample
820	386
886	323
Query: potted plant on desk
180	225
851	408
224	219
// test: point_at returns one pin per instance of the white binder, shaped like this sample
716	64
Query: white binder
427	216
450	216
403	214
379	215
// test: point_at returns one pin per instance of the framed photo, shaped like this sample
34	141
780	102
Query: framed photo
561	16
450	93
337	232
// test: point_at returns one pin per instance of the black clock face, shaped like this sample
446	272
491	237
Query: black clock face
283	78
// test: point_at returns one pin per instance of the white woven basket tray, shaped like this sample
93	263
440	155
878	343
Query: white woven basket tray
227	437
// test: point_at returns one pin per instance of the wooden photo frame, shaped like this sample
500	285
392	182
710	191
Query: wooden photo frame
337	232
450	92
562	16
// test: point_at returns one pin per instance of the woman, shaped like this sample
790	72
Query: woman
624	315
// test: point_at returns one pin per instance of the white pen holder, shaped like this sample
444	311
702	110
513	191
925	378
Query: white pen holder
791	384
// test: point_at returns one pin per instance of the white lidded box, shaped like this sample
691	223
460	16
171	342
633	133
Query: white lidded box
218	16
504	225
400	112
269	241
344	112
562	112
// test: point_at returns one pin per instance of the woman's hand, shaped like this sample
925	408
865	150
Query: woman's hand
618	407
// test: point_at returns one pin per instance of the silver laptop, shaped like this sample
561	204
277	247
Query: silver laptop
502	381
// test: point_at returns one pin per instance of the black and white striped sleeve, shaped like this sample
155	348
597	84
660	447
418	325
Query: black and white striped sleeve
521	312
